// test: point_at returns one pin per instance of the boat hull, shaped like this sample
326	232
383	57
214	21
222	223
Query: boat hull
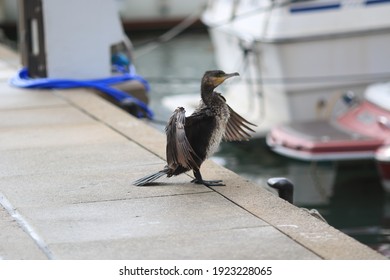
321	141
284	67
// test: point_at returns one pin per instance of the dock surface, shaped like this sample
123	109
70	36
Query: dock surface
67	162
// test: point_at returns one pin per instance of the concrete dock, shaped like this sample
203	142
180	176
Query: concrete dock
67	163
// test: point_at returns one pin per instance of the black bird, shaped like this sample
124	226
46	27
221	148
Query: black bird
191	140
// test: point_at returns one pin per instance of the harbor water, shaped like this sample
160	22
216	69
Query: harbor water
349	195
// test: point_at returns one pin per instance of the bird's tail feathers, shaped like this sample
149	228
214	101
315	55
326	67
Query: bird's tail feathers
150	178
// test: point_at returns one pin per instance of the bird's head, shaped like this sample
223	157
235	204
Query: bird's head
214	78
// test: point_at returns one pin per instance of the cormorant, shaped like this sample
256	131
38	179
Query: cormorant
191	140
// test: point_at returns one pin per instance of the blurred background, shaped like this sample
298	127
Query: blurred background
300	62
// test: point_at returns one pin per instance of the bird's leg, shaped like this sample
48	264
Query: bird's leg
198	180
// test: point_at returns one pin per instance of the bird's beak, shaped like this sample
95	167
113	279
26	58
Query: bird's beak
220	80
227	76
231	75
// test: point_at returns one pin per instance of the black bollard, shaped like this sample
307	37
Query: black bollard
284	187
285	190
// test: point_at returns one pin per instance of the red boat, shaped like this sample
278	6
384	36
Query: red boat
362	132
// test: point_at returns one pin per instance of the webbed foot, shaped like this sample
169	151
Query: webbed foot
208	183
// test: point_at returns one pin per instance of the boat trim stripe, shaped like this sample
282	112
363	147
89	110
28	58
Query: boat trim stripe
303	9
374	2
324	156
330	6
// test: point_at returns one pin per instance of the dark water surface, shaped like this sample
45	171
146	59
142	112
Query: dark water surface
349	194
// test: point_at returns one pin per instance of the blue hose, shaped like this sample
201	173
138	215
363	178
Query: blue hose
23	80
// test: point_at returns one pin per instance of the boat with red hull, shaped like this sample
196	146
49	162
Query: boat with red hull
361	132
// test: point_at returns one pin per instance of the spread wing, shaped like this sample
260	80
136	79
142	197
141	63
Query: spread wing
179	151
237	128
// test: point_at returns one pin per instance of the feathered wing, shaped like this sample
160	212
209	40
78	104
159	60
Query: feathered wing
179	151
237	128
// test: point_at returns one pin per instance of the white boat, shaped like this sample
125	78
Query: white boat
297	57
135	15
158	10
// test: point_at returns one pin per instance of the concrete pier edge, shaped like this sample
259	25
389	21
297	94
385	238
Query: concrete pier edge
317	236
